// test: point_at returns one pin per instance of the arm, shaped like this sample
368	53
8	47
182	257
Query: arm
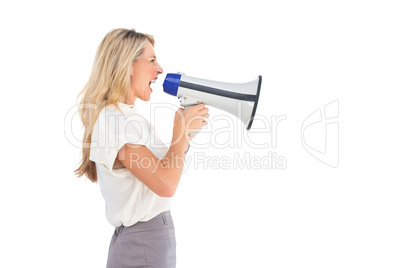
162	176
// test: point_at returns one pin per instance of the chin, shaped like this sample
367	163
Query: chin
146	99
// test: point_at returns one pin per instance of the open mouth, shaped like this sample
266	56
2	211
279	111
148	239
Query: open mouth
152	81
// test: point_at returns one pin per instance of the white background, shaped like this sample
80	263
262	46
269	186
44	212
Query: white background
309	53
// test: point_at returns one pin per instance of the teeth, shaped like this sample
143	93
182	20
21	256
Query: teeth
153	81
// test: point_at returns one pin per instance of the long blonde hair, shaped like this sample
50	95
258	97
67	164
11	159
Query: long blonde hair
108	84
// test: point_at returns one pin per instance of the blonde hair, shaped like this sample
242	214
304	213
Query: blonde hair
108	84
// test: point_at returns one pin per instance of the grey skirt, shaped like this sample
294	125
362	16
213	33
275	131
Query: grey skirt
145	244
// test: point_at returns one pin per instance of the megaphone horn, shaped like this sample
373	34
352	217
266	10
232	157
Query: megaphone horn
221	95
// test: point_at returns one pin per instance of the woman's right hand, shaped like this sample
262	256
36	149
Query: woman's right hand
190	121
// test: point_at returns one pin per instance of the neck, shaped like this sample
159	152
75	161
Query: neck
130	100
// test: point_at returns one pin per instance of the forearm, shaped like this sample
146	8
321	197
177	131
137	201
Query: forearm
173	162
186	122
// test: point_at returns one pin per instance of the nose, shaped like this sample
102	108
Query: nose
159	69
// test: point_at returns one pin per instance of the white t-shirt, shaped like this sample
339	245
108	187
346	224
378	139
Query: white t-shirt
127	199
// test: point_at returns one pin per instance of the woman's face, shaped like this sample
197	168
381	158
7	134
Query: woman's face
145	71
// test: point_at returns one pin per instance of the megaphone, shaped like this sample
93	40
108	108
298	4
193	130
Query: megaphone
239	99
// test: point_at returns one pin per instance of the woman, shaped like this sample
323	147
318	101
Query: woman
122	152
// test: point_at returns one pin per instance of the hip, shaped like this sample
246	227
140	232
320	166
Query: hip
144	244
